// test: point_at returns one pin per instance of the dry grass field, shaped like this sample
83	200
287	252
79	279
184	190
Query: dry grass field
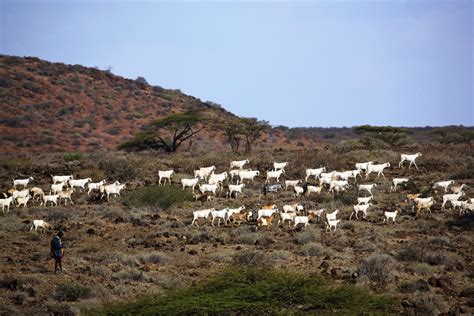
142	243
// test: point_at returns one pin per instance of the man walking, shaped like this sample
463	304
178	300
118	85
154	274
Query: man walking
57	251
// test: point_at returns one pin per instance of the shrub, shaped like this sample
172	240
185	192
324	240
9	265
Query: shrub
248	290
160	196
378	269
306	236
71	292
72	156
252	258
314	250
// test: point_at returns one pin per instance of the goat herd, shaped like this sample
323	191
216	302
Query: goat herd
295	214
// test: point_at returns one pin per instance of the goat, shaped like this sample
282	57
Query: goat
23	182
451	197
37	192
274	175
390	215
247	175
410	158
363	165
238	218
313	189
50	198
332	216
360	208
279	165
6	203
66	195
367	187
314	172
219	214
204	172
376	168
317	213
286	217
298	190
238	163
462	205
265	213
291	183
20	194
342	184
203	198
293	208
22	201
217	178
423	204
266	221
59	179
232	211
111	189
234	173
332	223
94	186
364	200
235	188
297	220
396	182
189	183
269	207
79	183
39	223
165	175
271	188
201	214
443	184
57	187
203	188
457	189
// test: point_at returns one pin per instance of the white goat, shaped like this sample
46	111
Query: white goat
23	201
111	189
443	184
217	178
265	213
238	163
37	192
235	188
376	168
6	203
396	182
332	216
94	186
279	165
457	189
390	215
332	223
20	194
204	172
298	190
66	195
57	187
364	200
274	175
451	197
410	158
40	224
313	189
165	175
367	187
293	208
360	208
222	214
291	183
248	175
297	220
189	183
203	188
317	213
58	179
234	173
79	183
363	165
286	217
201	214
232	211
314	172
50	198
23	182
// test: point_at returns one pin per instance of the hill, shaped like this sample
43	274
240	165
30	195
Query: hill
57	107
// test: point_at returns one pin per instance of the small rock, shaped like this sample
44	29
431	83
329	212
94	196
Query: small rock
470	303
421	285
324	265
182	249
432	281
91	231
444	282
238	248
31	292
328	257
193	252
166	234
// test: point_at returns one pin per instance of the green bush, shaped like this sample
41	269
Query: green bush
72	156
244	290
160	196
71	292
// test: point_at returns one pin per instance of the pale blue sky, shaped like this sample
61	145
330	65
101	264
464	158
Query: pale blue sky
312	63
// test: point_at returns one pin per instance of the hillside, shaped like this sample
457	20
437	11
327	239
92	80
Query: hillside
58	107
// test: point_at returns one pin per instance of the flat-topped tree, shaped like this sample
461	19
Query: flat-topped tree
238	129
167	133
252	129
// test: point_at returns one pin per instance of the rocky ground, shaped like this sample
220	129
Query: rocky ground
115	250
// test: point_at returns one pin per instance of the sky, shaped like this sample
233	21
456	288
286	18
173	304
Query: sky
293	63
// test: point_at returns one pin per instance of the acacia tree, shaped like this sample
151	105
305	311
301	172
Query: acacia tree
167	133
251	130
232	129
